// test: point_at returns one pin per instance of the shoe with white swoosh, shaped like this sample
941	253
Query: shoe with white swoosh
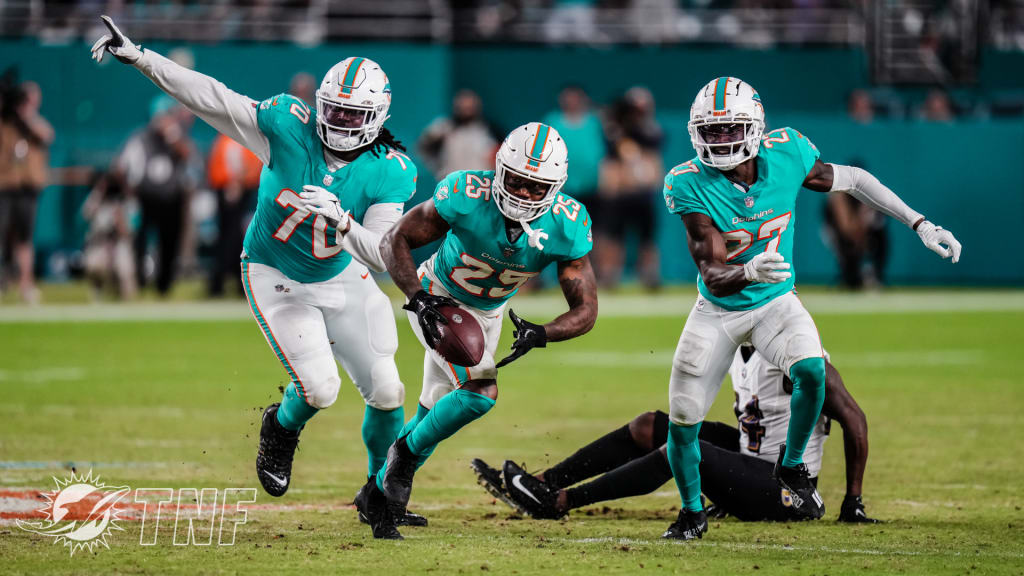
530	493
277	449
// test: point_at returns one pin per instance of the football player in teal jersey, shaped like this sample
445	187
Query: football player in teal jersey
334	180
500	229
737	201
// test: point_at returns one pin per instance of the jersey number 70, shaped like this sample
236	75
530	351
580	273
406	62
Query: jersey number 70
289	199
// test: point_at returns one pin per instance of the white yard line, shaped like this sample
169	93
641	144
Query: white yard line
675	304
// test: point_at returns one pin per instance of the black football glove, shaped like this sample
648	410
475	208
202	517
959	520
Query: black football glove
425	306
853	511
527	334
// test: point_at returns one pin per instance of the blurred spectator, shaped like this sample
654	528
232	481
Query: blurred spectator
937	107
155	168
463	142
303	85
25	138
631	182
573	21
858	237
234	175
581	129
108	243
860	107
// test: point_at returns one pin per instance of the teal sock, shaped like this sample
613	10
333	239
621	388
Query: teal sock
380	429
421	413
294	412
683	453
808	376
451	413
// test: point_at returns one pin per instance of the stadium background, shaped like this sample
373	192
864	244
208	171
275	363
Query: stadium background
965	173
169	393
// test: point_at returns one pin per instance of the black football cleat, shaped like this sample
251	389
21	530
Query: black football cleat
402	517
491	480
688	526
796	491
531	495
277	448
378	512
399	472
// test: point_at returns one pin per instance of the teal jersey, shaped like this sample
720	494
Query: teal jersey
758	220
476	263
299	244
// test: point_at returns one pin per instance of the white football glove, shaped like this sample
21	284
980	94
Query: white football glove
767	267
319	201
939	240
117	44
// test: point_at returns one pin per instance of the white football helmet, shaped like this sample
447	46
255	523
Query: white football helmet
534	152
352	104
726	123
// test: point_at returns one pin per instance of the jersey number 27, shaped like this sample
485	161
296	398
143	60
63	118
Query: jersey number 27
742	239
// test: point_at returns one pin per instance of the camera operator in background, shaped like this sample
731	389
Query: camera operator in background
25	138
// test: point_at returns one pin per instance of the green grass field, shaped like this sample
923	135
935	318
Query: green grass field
170	396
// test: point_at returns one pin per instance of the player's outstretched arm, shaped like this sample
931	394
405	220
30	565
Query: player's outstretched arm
230	113
580	289
419	227
841	407
707	246
863	186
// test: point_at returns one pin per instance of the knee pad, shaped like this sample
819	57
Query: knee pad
686	411
386	389
808	373
323	391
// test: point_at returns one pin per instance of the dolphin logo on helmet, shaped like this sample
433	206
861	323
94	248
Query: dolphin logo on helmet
352	104
726	123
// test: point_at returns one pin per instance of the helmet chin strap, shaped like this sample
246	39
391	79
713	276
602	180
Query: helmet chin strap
533	237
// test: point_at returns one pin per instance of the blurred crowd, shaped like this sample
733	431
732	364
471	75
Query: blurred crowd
756	23
163	208
616	168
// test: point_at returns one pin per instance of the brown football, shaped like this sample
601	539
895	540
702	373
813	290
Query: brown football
462	339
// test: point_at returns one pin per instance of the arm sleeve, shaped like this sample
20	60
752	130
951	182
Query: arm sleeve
362	241
228	112
860	184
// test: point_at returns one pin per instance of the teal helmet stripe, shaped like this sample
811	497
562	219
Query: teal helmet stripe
720	86
539	141
348	82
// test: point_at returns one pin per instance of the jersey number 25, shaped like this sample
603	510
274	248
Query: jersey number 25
475	269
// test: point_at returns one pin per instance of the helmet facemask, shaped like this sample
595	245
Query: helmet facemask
519	208
345	126
725	143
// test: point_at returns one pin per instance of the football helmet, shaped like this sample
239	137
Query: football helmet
352	104
534	153
726	123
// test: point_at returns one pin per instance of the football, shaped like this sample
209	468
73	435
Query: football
462	339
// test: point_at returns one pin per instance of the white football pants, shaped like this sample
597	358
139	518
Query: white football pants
309	326
782	331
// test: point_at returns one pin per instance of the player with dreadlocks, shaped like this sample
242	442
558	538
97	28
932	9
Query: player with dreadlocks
334	180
